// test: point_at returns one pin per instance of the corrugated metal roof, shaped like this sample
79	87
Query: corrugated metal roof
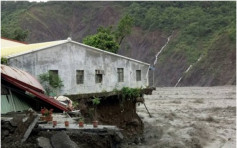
21	76
8	51
25	81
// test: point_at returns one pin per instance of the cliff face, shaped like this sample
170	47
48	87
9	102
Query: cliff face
54	21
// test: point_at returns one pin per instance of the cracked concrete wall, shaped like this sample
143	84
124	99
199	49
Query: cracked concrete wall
69	57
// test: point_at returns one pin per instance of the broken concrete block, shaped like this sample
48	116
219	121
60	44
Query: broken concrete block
62	140
43	142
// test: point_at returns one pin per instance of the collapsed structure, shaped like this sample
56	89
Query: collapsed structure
21	91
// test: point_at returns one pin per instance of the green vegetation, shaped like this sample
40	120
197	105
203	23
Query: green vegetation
4	61
96	101
124	28
196	23
104	40
130	93
109	40
10	19
15	34
51	83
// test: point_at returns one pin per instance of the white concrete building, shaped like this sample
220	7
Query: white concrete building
83	69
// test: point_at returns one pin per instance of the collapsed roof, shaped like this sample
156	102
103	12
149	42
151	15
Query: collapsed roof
27	82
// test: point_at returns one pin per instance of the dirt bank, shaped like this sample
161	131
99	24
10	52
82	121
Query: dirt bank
113	111
190	117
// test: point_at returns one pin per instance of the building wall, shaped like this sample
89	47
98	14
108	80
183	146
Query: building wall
69	57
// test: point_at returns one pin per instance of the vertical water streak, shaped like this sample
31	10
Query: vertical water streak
190	66
162	49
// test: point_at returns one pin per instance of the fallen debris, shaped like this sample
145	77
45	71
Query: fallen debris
28	131
17	127
44	142
62	140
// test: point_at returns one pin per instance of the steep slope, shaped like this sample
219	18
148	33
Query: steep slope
200	29
77	20
216	68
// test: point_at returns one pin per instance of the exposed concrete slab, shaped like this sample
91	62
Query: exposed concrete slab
76	126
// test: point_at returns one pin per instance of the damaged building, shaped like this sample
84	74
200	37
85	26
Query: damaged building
21	91
83	69
87	73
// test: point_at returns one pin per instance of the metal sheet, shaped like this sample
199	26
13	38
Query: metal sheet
27	82
11	103
38	94
21	76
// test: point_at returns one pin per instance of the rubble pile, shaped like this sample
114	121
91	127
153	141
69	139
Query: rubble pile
26	130
16	127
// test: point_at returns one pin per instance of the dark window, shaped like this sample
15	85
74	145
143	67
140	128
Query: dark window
98	76
120	75
138	75
53	77
80	76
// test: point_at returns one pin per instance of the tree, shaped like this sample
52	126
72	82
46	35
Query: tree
124	28
16	34
103	39
109	40
51	83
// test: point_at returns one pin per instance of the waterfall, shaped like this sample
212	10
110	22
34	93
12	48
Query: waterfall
162	48
190	66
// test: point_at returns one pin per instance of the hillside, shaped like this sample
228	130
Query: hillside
197	30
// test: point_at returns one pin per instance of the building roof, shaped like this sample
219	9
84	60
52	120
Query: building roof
27	82
20	50
21	76
5	42
26	48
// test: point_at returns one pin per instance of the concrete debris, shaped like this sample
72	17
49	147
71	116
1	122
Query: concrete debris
31	126
62	140
43	142
18	127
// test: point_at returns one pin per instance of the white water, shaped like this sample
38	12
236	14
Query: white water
182	76
190	66
162	49
180	117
